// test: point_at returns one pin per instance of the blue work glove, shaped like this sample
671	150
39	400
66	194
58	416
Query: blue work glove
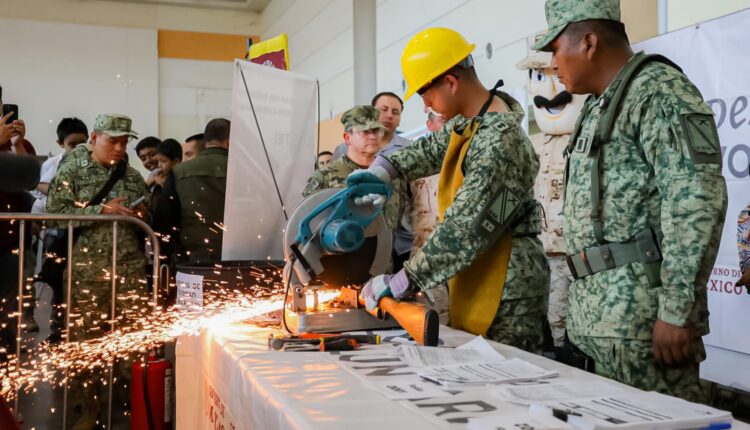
396	285
380	171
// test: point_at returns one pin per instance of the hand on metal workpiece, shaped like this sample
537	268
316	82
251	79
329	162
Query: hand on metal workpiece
395	285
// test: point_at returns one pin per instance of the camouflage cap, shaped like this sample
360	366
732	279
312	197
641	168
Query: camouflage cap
534	59
360	118
115	125
560	13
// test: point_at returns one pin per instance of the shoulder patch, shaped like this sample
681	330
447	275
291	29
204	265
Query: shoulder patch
83	163
496	215
702	137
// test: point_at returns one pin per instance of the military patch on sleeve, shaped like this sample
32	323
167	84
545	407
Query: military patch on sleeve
497	214
702	138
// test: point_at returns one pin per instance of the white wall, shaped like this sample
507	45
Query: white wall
683	13
320	32
69	52
53	70
320	41
320	45
191	93
133	15
504	24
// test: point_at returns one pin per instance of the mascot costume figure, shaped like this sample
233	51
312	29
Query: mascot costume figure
555	112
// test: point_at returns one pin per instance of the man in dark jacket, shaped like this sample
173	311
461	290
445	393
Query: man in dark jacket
18	174
191	203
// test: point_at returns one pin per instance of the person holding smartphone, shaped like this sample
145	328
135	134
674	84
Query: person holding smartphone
13	130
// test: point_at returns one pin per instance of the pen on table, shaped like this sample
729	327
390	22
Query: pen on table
717	426
562	414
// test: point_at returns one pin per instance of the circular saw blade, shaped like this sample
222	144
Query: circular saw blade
343	269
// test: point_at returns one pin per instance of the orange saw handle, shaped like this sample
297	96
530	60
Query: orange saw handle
421	322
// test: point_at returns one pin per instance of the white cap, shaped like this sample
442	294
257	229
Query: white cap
534	59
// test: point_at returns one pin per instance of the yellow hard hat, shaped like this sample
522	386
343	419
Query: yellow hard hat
429	54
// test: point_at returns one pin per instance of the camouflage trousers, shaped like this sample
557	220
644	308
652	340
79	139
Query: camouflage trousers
557	310
631	361
519	323
91	302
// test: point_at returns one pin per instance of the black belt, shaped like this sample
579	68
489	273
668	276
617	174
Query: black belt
643	248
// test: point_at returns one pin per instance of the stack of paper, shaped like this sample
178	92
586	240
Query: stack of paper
485	373
475	351
559	390
638	410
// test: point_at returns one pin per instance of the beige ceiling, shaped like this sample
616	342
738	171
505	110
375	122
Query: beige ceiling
246	5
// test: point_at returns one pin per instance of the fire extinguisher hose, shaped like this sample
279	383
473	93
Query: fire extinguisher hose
144	377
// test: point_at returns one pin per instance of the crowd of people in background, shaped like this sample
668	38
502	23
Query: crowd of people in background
92	175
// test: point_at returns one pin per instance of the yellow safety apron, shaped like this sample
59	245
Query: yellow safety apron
476	291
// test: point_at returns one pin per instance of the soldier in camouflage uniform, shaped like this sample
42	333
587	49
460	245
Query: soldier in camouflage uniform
645	202
361	135
82	173
485	160
743	246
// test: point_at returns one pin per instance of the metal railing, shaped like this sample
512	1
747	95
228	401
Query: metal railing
21	218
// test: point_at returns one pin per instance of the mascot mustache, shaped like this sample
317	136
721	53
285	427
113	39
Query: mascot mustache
560	99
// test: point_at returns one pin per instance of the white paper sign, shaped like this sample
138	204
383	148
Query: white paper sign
272	153
189	290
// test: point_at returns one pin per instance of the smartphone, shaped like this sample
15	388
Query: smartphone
8	109
138	201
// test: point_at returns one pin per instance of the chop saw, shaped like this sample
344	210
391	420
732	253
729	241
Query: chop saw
332	244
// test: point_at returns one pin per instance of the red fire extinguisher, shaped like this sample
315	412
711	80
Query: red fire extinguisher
151	395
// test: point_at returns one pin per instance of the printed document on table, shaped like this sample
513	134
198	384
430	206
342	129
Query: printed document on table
409	389
518	422
475	351
638	411
485	373
559	390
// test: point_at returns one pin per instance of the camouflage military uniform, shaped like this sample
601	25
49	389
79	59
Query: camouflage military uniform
424	210
660	173
78	180
743	238
548	189
652	176
500	155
